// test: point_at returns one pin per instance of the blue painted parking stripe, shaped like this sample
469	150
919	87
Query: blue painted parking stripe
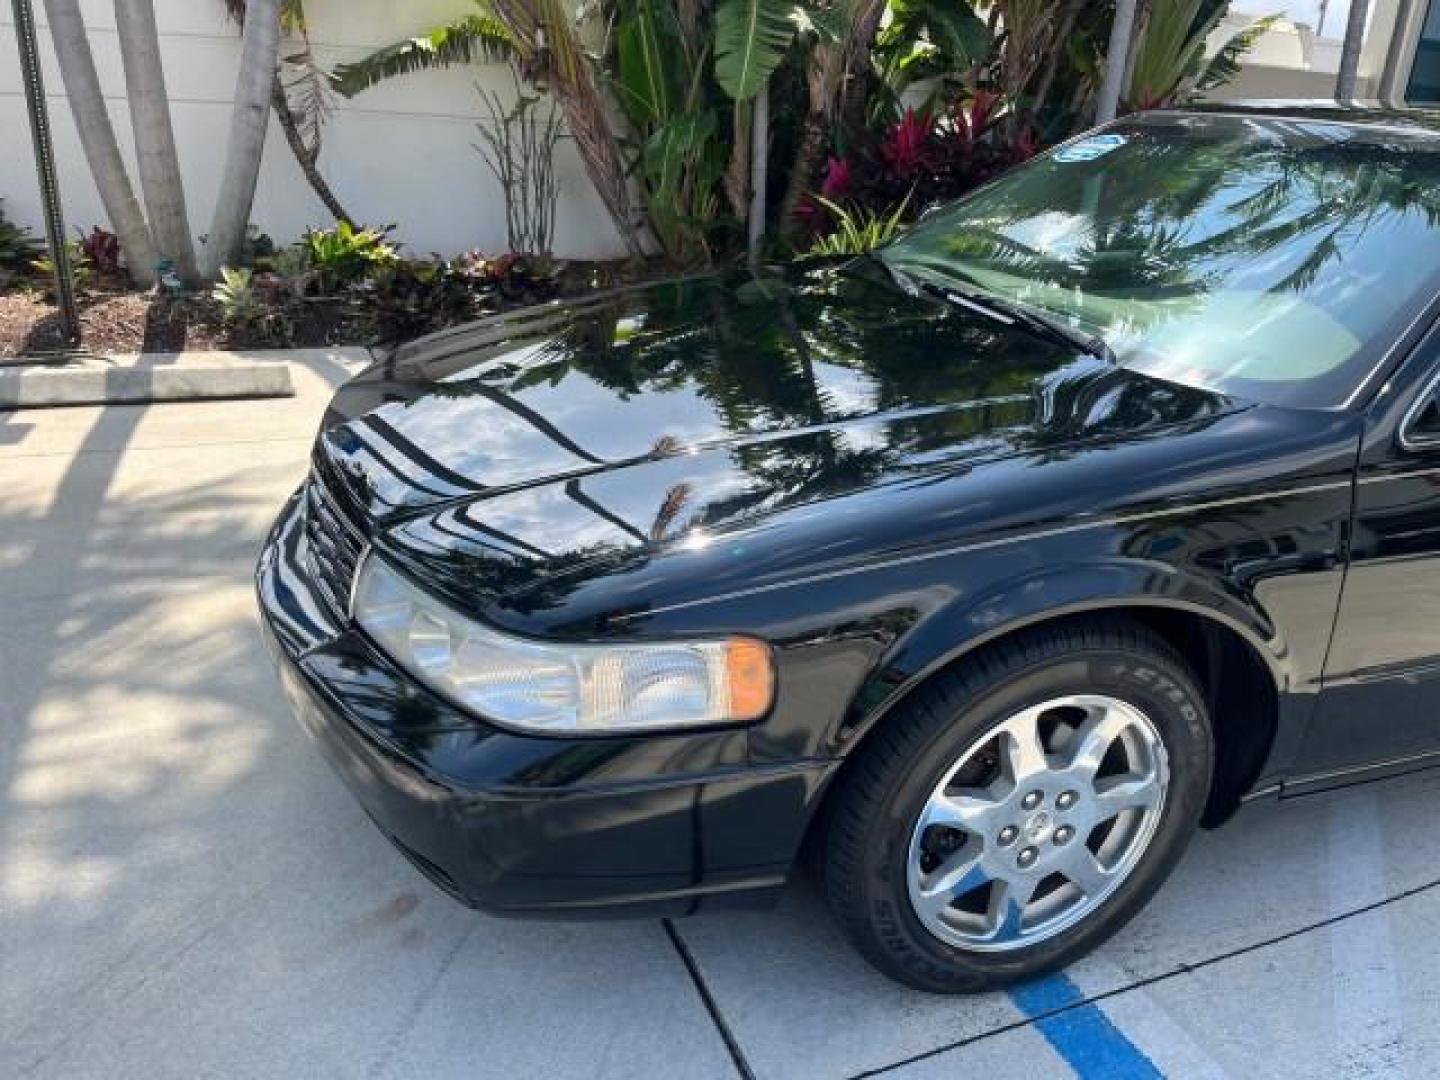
1081	1033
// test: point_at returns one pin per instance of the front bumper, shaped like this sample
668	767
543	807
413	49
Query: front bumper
658	824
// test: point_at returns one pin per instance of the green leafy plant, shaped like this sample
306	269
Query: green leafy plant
19	249
514	277
1170	63
411	298
857	230
751	39
235	293
681	139
345	254
249	304
82	270
259	249
291	272
1225	64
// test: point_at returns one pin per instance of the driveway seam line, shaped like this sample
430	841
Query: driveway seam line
1164	976
697	978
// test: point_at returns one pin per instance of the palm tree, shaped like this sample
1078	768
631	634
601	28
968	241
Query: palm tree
154	135
302	122
97	138
259	51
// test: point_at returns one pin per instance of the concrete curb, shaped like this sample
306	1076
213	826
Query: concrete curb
134	380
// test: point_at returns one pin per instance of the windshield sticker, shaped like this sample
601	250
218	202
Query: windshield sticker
1097	146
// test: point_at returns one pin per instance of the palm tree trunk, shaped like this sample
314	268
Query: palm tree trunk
259	52
154	135
1350	52
306	157
1056	53
97	138
803	169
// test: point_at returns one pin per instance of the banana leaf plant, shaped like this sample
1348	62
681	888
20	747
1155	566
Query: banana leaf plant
660	78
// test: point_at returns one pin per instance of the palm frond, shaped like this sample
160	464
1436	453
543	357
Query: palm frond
465	41
308	93
1225	64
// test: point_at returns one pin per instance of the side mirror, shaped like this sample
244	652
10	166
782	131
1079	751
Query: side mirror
1420	430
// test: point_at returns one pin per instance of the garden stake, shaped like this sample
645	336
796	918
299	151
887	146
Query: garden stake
45	167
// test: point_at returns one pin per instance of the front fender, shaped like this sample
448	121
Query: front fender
969	622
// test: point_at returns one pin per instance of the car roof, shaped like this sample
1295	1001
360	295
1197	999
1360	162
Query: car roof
1360	113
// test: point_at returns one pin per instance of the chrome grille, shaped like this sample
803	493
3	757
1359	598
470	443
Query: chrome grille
334	546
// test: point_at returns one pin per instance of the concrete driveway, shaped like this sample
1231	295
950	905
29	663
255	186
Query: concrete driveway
186	891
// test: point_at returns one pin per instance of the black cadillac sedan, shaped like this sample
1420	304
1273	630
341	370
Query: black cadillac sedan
983	568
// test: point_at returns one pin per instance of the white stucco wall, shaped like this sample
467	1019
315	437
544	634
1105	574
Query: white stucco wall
400	152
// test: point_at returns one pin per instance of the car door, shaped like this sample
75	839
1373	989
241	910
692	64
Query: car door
1380	705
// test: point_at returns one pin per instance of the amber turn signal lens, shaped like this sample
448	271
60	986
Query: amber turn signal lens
750	678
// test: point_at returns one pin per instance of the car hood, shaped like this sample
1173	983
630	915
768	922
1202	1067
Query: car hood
506	451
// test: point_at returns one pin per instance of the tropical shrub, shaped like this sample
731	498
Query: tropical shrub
345	254
236	294
18	248
291	273
857	230
409	298
101	250
82	270
1170	57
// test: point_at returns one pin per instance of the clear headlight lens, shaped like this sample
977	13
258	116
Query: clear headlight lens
561	688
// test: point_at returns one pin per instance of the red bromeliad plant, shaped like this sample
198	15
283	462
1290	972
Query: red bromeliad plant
923	158
835	187
839	177
909	149
974	117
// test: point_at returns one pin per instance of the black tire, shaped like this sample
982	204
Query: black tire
887	782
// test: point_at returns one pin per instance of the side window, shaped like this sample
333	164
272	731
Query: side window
1424	88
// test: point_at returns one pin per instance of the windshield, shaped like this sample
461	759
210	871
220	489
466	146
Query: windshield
1265	258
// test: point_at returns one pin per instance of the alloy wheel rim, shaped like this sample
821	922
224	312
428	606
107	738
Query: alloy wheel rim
1037	823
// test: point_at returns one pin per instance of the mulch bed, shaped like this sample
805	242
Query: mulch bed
133	322
114	320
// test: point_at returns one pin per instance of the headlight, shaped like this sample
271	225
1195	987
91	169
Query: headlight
557	689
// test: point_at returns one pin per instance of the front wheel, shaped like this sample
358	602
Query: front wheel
1020	808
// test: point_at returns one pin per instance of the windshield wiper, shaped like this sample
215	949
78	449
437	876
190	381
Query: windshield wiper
1011	314
1007	313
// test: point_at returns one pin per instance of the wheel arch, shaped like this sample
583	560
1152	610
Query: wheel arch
1235	656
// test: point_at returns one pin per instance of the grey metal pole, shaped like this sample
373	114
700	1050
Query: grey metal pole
1350	52
45	167
759	169
1116	62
